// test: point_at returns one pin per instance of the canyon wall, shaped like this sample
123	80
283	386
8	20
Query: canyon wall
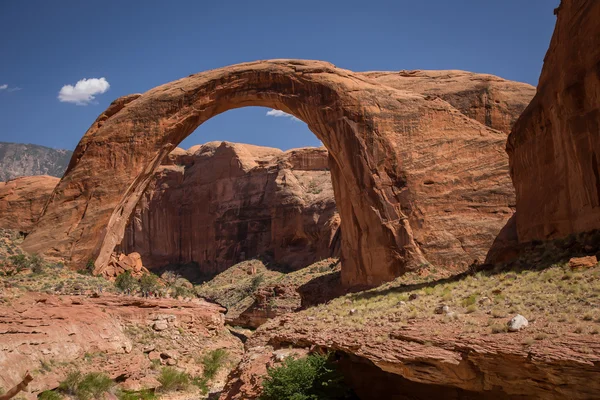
221	203
22	200
554	147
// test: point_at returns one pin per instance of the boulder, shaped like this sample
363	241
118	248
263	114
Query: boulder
583	262
517	323
160	325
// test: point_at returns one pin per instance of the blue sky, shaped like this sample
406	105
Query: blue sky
136	45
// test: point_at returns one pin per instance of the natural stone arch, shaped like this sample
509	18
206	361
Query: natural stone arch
375	135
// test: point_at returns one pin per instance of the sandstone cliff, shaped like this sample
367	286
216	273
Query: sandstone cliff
488	99
17	159
22	201
221	203
554	147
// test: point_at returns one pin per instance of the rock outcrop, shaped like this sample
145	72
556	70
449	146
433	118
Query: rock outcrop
221	203
424	361
45	334
414	178
554	147
22	201
493	101
18	159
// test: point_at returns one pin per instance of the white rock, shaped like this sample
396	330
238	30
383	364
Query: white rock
517	323
160	325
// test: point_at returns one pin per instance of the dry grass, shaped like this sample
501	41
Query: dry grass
236	287
553	298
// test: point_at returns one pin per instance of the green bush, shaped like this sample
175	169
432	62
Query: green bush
125	281
171	379
93	385
146	394
86	387
69	385
37	264
255	283
212	362
149	282
19	261
89	267
184	292
49	395
309	378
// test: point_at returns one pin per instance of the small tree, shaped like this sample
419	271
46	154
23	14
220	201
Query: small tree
89	267
36	263
149	282
19	261
125	282
309	378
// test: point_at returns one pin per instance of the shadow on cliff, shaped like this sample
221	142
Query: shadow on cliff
516	258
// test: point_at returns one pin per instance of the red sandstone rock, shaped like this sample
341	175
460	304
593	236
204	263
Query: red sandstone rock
491	100
415	180
222	202
554	147
109	330
22	201
119	264
583	262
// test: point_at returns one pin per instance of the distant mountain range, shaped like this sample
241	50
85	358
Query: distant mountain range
17	159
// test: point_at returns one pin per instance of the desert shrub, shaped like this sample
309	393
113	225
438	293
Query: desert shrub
125	281
146	394
255	283
36	263
471	300
149	282
309	378
85	387
49	395
69	385
213	361
183	292
170	277
89	267
19	261
171	379
93	386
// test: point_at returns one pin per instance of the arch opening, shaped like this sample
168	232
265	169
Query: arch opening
211	206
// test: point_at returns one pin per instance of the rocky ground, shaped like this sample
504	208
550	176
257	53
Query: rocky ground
58	323
430	333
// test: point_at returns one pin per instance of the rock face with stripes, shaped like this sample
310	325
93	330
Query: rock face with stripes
221	203
554	148
416	178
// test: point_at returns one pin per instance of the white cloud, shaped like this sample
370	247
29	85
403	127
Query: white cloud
279	113
14	89
2	87
84	91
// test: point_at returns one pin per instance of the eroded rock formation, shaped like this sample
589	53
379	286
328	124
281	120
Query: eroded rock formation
22	201
414	178
493	101
108	334
221	203
424	361
554	147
